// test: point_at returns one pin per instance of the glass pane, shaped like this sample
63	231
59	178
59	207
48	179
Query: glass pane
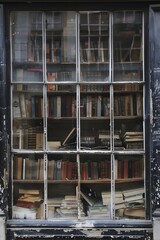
28	199
26	46
61	107
62	176
128	46
94	46
61	46
94	116
128	117
95	191
27	112
129	199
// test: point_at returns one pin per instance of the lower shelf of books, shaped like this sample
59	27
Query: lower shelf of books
87	201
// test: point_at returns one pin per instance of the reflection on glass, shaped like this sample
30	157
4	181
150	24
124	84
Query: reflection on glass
128	46
27	46
61	46
94	46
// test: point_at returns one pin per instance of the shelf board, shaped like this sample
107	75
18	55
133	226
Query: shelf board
89	181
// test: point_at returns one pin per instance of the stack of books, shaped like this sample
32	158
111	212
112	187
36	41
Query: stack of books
133	140
98	210
70	207
29	205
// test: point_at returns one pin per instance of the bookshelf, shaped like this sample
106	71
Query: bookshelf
77	97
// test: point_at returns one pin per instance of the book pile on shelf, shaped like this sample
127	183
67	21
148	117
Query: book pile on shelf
105	138
54	203
135	203
128	203
133	140
98	210
70	207
93	206
29	205
119	201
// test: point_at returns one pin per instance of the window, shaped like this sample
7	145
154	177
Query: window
77	97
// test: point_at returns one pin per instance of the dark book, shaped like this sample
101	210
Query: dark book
88	195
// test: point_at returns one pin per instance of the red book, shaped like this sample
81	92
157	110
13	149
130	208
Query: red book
69	175
125	169
84	171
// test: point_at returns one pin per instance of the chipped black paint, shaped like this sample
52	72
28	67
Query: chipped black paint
56	234
46	230
3	130
155	88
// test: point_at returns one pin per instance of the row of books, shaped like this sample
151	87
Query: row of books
27	106
128	105
27	168
129	168
28	75
35	75
93	88
62	170
28	138
65	106
83	88
94	106
61	76
61	106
